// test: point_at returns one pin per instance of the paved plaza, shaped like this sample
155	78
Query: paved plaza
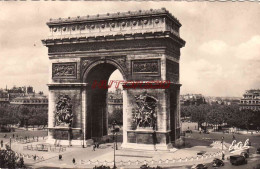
125	158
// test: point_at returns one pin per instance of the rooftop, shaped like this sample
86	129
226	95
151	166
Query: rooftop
110	16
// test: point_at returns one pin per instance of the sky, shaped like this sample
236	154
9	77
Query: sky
221	56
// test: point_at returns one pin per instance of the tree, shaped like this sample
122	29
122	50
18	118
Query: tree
8	159
116	115
199	114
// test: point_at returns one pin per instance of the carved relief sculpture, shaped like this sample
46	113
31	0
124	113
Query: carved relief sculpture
64	70
147	67
145	114
63	113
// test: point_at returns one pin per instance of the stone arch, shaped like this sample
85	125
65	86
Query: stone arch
96	98
102	61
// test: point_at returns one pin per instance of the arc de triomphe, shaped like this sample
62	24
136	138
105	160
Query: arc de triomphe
144	46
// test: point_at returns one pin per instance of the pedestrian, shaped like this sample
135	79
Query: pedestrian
234	137
94	147
223	155
21	162
34	157
2	143
73	161
60	157
97	145
13	135
154	140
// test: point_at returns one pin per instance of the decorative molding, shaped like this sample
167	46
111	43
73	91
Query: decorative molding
85	62
146	66
116	16
64	70
120	60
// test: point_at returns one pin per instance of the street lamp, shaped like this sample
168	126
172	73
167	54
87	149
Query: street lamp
10	143
222	147
115	145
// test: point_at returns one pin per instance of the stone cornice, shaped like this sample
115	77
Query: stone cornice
67	85
113	16
112	24
118	37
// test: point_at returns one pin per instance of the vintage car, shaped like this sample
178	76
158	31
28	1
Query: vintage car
237	160
245	154
258	150
199	166
217	163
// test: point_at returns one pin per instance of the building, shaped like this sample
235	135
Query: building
23	96
251	100
31	100
145	46
114	101
192	99
4	97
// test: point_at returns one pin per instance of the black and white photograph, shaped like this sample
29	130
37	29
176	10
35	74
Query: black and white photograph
130	84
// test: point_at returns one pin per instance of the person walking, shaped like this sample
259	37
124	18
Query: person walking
94	147
73	161
2	143
60	157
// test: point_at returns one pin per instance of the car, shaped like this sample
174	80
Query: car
237	160
258	150
199	166
188	131
217	163
245	154
206	132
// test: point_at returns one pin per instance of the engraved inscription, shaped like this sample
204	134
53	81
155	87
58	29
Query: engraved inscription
64	70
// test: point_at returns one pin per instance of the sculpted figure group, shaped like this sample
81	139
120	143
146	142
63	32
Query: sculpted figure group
145	114
63	113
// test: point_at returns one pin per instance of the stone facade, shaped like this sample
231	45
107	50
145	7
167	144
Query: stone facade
251	100
144	46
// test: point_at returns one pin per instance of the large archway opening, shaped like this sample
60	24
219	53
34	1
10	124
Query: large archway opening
98	98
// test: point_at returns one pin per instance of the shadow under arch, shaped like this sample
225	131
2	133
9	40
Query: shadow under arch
96	97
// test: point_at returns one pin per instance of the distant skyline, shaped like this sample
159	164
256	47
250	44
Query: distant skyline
221	56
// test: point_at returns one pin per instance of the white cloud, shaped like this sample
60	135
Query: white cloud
214	47
249	50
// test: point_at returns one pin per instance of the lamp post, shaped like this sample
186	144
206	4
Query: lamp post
10	143
114	131
222	147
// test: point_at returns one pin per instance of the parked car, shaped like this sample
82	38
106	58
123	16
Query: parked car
217	163
237	160
258	150
199	166
245	154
